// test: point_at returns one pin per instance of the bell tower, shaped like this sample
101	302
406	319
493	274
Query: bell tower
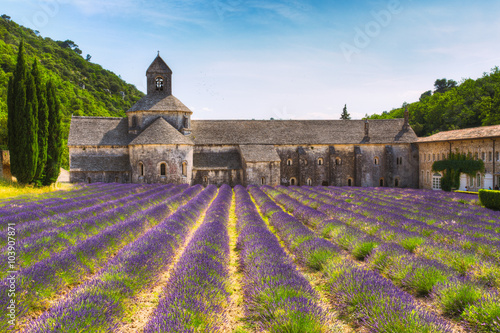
159	78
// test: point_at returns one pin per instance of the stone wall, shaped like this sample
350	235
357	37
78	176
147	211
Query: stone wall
145	118
261	173
218	177
485	149
99	176
153	156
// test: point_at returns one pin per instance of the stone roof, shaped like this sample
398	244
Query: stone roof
299	132
159	66
464	134
216	161
99	163
160	132
259	153
99	131
160	103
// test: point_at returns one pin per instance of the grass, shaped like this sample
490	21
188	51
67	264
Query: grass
13	189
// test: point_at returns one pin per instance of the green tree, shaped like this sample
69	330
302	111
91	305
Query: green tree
22	131
43	125
54	140
345	115
443	85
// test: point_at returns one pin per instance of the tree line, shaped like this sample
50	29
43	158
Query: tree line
450	106
33	125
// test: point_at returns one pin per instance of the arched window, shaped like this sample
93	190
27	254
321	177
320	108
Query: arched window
141	169
205	180
89	180
443	156
289	162
338	161
117	180
478	180
376	161
349	181
320	161
134	121
381	182
396	182
159	83
163	169
184	168
263	181
309	181
293	181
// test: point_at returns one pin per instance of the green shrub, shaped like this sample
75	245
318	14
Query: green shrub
490	199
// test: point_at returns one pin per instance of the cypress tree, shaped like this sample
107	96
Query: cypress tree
345	115
54	140
42	115
22	124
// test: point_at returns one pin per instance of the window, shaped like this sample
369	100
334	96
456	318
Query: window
159	83
381	182
263	181
400	161
476	157
184	168
471	181
134	121
396	182
338	161
309	181
293	181
483	156
289	162
436	181
163	169
478	180
422	176
498	156
89	180
433	157
429	157
443	156
141	169
205	180
349	182
117	180
428	177
490	156
376	161
320	161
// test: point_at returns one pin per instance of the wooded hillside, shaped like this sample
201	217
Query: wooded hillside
450	106
84	88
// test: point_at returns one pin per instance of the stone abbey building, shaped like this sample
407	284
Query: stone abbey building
158	142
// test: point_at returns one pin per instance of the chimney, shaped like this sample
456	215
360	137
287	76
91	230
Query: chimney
406	124
367	129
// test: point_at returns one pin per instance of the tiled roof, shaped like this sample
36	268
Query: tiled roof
214	161
98	131
464	134
160	103
159	65
160	132
99	163
299	132
259	153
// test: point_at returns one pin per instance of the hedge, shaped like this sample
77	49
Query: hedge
490	199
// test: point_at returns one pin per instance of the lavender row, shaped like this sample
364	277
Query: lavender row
417	275
43	244
196	295
35	214
277	297
99	302
379	310
38	282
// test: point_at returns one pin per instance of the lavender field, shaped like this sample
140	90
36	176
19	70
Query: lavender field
178	258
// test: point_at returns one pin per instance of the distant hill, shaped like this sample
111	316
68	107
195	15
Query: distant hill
450	106
84	88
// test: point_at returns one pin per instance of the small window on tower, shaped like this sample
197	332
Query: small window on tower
159	83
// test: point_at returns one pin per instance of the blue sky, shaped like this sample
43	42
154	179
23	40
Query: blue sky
288	59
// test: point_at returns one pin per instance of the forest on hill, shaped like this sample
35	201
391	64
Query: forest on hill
452	105
83	88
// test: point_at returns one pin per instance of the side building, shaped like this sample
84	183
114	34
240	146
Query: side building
158	142
480	142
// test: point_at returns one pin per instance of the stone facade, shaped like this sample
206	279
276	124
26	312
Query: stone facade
480	142
157	142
